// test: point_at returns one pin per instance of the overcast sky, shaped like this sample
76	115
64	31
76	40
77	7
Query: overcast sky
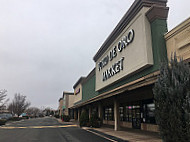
46	45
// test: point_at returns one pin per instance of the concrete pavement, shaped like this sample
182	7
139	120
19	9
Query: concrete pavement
130	135
46	129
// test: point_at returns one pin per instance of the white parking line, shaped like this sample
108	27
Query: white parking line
101	135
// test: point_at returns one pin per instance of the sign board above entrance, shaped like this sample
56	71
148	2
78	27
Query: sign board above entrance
129	53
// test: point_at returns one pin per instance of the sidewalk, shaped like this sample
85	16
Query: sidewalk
131	135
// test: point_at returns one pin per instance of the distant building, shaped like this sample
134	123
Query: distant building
67	101
60	108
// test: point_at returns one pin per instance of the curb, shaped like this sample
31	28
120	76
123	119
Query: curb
104	135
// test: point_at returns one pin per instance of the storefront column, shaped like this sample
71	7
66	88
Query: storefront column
100	111
83	110
90	111
116	115
75	114
78	114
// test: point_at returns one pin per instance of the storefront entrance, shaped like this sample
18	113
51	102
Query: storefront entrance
136	117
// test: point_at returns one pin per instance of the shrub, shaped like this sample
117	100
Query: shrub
172	101
66	118
2	122
84	119
15	119
95	121
56	116
25	117
41	115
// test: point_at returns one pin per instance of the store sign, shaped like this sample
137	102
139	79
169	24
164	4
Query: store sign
128	54
114	69
117	49
77	91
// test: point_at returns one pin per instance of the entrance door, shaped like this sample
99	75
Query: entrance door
136	117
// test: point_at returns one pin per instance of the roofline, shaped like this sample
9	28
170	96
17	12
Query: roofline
177	28
130	14
81	79
146	80
60	99
92	73
68	93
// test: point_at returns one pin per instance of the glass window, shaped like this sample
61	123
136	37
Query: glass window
149	113
150	109
128	113
121	112
108	113
94	111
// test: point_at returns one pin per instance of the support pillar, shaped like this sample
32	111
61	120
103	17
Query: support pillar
90	112
75	114
78	114
116	115
100	111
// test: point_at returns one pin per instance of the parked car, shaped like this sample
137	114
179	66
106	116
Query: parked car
6	116
24	115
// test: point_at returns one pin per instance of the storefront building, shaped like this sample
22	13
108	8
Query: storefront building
119	88
132	103
78	88
127	66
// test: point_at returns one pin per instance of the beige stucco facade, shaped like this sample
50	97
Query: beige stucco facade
71	101
178	40
78	95
136	55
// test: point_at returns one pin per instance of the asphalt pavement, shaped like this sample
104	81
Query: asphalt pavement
47	129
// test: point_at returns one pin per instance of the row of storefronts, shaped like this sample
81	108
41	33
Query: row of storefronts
119	88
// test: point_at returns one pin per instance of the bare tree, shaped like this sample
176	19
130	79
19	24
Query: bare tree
18	104
47	111
33	111
3	99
